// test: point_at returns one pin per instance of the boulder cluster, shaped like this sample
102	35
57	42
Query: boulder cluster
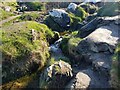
76	47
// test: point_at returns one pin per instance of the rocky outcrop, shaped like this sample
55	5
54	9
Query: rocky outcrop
95	49
96	23
56	76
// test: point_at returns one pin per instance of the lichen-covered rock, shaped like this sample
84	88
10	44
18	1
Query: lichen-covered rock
56	76
24	49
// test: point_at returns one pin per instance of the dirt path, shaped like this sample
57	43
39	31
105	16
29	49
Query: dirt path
8	19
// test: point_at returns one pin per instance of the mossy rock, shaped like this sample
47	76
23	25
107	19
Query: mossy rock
23	50
64	43
49	21
109	9
91	9
80	12
56	76
72	47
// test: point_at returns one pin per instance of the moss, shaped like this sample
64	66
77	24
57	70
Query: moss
57	69
80	12
33	16
18	45
64	45
74	20
115	71
74	41
11	4
35	6
18	36
91	9
22	82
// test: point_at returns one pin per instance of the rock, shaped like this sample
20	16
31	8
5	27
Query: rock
98	47
88	79
57	13
56	75
109	9
94	1
58	18
54	38
94	24
72	7
82	80
7	8
91	9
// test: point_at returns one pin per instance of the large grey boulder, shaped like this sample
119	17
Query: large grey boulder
96	23
56	76
58	20
98	47
82	80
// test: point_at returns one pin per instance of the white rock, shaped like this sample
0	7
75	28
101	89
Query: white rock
94	1
57	13
7	9
82	80
72	6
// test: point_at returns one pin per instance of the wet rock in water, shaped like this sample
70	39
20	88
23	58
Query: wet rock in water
72	7
56	76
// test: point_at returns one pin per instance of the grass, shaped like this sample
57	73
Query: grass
19	83
74	41
18	46
115	71
4	14
33	16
